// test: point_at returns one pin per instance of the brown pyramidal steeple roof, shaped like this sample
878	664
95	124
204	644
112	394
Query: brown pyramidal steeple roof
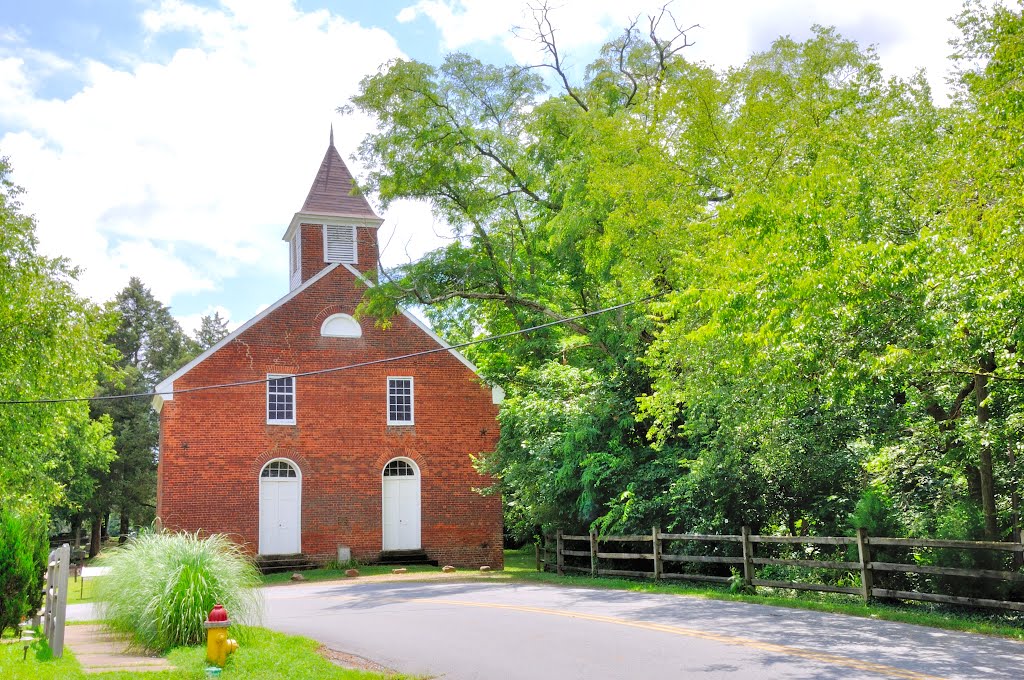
331	193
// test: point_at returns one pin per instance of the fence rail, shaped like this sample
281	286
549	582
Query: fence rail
551	553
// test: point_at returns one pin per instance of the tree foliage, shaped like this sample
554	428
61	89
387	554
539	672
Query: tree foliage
836	260
51	345
150	344
23	554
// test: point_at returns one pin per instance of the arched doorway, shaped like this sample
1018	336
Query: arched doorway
401	505
280	503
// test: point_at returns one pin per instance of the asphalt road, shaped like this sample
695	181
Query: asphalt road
468	630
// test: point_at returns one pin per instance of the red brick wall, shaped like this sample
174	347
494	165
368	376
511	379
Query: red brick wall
214	443
312	256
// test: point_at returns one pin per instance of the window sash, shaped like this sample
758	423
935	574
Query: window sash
400	401
281	399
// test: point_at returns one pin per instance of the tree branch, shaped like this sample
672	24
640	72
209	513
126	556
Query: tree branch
521	302
546	36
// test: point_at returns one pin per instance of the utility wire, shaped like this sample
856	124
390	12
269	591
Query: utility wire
335	369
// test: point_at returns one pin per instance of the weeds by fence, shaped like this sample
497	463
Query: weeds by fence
894	568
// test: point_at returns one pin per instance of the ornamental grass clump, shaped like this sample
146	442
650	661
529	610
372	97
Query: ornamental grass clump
161	587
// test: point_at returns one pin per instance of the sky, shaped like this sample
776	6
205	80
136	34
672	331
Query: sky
174	140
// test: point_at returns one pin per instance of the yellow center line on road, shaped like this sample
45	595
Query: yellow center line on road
833	659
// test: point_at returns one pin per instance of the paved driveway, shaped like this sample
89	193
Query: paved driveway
466	630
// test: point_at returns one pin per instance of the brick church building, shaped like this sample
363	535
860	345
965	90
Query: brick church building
374	458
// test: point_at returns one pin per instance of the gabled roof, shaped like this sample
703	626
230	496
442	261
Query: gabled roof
165	388
331	193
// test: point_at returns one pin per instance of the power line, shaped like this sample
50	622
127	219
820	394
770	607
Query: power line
335	369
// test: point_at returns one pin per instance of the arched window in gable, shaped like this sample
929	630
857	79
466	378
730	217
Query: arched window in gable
341	326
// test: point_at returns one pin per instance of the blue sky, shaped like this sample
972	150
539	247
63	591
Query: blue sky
174	139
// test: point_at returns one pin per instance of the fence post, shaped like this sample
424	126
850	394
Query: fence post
748	556
57	643
593	553
536	550
559	555
864	552
49	603
656	549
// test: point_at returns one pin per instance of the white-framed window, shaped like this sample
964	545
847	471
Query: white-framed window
400	402
340	244
278	469
280	399
340	326
399	468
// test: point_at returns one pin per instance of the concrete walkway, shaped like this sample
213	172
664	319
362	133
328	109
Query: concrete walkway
99	651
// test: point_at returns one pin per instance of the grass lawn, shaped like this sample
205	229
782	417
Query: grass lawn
262	654
82	590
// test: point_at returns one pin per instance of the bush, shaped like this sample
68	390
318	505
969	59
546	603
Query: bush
964	521
23	553
162	586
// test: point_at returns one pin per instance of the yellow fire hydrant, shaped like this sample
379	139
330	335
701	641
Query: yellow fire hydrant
218	644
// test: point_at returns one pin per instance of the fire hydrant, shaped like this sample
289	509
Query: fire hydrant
218	644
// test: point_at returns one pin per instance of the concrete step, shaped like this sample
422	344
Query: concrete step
272	564
405	557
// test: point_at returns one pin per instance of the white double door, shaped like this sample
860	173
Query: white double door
401	510
279	516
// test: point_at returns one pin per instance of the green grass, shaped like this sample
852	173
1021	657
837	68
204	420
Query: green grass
265	655
520	565
83	589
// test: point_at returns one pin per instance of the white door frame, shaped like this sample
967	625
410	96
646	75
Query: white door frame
298	509
419	501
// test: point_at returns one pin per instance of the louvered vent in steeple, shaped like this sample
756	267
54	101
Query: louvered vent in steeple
340	244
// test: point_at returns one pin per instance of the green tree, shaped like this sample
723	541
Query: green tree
151	345
212	329
23	553
838	260
51	345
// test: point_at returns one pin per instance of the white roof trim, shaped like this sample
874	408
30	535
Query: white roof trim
165	390
497	394
324	218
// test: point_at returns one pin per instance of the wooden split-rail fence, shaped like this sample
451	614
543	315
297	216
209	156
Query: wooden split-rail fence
600	551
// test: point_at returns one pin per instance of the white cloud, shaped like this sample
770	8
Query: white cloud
910	34
188	171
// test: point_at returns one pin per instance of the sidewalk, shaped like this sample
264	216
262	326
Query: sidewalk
84	611
98	651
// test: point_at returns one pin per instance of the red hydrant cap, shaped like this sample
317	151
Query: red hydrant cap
217	614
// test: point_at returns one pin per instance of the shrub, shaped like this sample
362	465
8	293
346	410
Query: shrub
964	521
161	587
23	553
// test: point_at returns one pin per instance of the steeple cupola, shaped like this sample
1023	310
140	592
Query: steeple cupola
335	224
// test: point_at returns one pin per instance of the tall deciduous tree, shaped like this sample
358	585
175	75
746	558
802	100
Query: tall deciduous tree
838	258
51	345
